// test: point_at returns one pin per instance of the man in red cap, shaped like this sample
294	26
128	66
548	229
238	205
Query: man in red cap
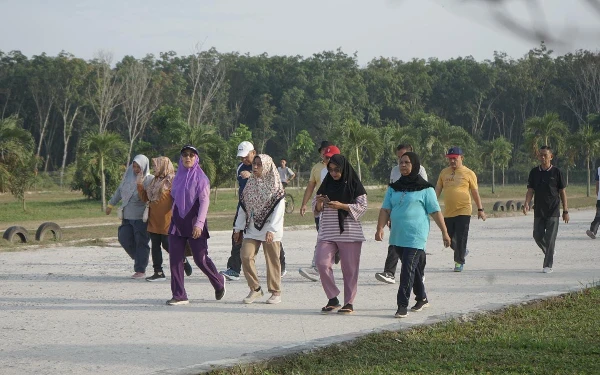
317	174
459	184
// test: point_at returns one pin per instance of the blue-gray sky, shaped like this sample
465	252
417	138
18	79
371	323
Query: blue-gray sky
392	28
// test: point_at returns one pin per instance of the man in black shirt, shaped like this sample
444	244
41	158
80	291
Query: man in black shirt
547	184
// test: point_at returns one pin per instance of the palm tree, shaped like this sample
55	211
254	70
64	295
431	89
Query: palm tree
549	130
106	145
16	145
498	152
588	143
360	140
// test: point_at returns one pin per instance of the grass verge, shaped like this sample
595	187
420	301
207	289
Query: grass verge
560	335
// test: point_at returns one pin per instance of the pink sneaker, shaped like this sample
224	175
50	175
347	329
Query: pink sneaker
138	275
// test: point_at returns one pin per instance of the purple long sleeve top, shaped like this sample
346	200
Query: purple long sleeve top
196	217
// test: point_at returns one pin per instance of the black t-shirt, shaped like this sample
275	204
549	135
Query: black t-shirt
546	185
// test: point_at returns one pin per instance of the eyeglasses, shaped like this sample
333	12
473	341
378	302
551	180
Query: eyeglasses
334	170
404	163
187	154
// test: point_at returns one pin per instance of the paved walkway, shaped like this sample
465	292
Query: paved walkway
73	310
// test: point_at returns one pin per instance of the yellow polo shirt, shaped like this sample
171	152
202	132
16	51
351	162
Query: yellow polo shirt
456	186
315	175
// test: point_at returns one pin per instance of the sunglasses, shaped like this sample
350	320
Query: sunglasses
334	170
187	154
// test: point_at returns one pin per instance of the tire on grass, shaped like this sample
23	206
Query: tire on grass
510	206
498	206
16	232
519	205
48	228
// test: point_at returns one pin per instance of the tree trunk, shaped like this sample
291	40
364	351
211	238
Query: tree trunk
358	162
129	152
588	176
64	161
493	178
103	183
502	176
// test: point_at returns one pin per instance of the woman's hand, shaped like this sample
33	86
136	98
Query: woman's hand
245	174
236	237
196	233
269	237
108	210
446	239
379	234
336	205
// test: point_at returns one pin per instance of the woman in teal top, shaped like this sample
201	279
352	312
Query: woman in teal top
408	203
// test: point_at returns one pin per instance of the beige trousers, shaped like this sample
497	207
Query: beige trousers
249	250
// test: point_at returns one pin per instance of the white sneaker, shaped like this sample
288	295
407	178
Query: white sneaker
273	300
547	270
283	273
253	295
310	273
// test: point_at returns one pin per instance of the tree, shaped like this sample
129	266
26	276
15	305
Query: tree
360	141
205	76
43	91
23	173
265	122
498	152
104	91
588	141
548	130
15	147
103	146
301	150
140	100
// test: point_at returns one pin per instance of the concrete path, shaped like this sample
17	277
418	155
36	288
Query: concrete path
73	310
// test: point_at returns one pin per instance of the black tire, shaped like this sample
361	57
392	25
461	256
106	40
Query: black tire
498	206
16	232
46	228
510	206
519	205
289	204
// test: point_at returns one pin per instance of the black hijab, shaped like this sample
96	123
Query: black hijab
414	181
344	190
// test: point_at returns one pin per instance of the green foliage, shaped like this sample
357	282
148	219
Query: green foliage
23	174
16	146
302	150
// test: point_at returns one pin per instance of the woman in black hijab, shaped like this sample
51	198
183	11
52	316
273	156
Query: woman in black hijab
408	203
341	200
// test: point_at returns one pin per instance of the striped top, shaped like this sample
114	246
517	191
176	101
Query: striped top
329	228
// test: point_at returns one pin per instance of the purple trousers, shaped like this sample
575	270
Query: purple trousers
200	252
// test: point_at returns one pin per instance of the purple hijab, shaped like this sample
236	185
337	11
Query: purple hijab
187	185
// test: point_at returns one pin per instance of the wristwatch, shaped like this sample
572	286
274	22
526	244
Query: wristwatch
480	209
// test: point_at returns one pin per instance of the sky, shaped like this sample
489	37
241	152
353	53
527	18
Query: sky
404	29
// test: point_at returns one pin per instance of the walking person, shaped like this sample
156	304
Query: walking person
317	174
132	232
408	203
459	183
391	261
260	217
157	195
191	198
341	200
285	173
546	185
246	153
593	231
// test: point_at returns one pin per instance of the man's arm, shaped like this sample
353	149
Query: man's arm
438	190
597	183
292	175
477	199
563	198
307	194
528	198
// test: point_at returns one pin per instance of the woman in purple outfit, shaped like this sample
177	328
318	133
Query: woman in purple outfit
190	192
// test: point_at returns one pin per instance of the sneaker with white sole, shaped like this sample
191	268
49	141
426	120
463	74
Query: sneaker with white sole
253	295
310	273
547	270
283	273
402	312
590	234
273	300
420	305
138	275
230	274
385	277
176	302
158	276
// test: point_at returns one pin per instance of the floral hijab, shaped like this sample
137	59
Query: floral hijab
262	194
163	178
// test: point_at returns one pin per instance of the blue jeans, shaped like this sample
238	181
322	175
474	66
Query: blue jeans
134	238
411	275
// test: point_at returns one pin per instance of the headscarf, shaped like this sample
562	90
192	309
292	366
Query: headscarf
414	181
262	194
163	178
129	184
344	190
187	186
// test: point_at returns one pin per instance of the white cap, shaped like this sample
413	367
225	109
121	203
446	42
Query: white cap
244	149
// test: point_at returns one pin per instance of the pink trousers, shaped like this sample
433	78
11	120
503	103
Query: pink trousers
349	262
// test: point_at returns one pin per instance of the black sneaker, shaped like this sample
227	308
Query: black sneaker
385	277
157	277
187	267
420	305
219	294
402	312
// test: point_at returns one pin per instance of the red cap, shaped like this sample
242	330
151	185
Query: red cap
331	150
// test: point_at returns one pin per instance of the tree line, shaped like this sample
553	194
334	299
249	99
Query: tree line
84	120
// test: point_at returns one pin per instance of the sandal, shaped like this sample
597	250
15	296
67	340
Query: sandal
347	309
330	308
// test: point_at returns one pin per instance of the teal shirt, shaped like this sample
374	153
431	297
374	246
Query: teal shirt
410	216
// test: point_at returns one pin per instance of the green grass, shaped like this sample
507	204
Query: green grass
559	335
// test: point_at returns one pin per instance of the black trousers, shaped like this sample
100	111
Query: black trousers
544	234
596	223
157	259
458	230
411	275
393	255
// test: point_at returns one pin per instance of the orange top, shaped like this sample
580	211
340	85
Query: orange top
160	212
